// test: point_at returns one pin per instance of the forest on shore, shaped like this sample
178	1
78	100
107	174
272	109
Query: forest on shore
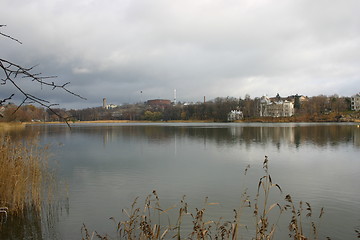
311	109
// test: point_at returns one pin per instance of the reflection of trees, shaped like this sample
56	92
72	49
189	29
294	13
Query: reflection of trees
109	133
31	225
319	135
326	134
27	226
357	136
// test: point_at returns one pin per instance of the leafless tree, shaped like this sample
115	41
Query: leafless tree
11	72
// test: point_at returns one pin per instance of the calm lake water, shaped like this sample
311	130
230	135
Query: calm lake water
106	166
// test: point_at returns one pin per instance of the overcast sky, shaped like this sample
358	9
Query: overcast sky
118	48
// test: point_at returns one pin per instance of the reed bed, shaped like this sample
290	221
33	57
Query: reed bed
151	221
8	126
24	175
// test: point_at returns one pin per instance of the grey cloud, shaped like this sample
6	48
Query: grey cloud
116	49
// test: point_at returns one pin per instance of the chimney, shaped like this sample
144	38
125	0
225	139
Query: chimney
174	96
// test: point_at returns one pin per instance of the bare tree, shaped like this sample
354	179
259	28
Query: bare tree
12	72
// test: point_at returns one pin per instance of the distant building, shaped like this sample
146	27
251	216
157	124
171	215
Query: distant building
104	103
108	106
355	102
276	107
159	102
188	103
301	98
111	106
235	115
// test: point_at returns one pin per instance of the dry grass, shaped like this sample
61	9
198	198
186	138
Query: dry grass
153	222
23	175
8	126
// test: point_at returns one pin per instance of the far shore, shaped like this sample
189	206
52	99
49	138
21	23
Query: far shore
123	121
253	120
324	118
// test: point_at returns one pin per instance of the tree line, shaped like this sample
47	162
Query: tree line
214	110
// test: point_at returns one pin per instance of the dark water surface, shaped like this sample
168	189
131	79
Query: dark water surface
106	166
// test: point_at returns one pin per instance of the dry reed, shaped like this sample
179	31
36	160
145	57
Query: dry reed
9	126
146	222
23	175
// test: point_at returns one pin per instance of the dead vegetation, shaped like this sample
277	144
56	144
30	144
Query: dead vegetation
25	178
29	195
151	221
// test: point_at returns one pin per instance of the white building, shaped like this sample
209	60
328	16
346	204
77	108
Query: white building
235	115
355	102
108	106
280	108
264	102
111	106
288	108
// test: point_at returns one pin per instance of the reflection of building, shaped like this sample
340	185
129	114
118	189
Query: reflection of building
276	108
357	136
235	115
355	102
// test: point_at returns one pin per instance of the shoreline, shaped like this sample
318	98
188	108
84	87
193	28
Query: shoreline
257	120
353	117
121	121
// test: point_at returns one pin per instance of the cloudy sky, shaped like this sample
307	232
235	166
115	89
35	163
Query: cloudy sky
213	48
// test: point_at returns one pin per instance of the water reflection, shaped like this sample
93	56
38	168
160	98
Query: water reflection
109	165
222	134
319	135
32	224
27	226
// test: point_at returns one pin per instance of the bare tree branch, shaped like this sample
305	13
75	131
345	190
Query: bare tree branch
8	36
6	99
12	72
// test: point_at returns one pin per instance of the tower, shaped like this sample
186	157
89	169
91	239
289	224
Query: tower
104	103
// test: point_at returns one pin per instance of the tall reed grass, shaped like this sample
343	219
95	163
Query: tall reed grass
8	126
151	221
24	175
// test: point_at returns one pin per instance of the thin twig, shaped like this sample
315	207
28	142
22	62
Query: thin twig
8	36
13	71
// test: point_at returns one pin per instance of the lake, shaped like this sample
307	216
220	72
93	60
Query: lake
106	166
